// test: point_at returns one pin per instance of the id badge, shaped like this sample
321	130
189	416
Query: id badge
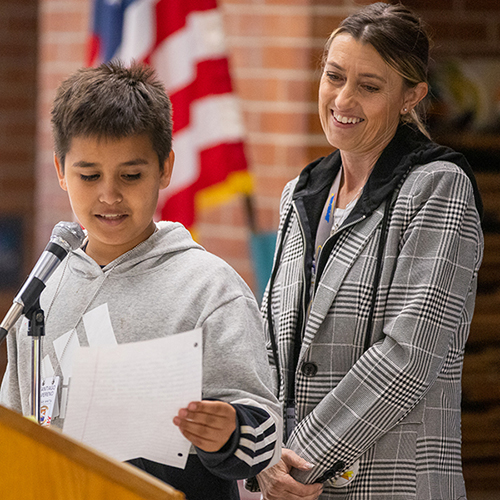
290	418
48	397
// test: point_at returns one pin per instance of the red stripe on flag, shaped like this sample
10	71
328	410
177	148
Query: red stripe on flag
180	206
93	49
213	161
171	15
222	168
212	78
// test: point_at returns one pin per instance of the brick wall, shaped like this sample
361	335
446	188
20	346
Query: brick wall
275	49
270	49
18	43
63	33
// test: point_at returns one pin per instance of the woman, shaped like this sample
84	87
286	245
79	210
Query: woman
372	293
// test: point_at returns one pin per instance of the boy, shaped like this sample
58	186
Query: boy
113	135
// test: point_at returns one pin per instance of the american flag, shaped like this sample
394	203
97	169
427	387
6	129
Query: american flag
184	41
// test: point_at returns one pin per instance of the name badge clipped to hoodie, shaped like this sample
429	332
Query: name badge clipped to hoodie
48	397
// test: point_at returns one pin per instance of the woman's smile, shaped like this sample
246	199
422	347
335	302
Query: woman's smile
345	119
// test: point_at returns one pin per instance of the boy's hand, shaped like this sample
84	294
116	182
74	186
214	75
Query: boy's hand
207	424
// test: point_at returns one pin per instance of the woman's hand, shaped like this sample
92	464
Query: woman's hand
207	424
276	483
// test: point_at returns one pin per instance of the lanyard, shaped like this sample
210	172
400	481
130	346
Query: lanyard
326	219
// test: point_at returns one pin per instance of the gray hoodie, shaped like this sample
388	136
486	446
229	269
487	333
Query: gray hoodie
165	285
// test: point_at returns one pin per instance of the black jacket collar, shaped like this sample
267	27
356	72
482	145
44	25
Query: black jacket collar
409	147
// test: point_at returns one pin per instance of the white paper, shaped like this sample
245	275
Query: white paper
47	368
98	327
122	399
66	346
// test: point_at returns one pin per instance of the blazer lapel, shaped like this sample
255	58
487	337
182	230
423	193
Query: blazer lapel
351	243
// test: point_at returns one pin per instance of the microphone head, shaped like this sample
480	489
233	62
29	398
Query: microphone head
68	235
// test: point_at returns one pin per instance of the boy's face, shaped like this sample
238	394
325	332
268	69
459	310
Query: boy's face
113	187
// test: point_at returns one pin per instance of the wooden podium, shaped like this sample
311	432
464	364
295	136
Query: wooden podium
40	463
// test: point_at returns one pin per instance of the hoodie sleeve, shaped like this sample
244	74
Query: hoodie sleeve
236	370
10	395
251	447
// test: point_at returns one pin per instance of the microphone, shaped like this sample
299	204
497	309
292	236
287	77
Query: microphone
65	236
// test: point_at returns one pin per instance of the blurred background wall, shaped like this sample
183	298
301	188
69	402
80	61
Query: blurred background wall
275	48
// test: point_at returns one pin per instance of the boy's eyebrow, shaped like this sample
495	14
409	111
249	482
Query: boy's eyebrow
84	164
130	163
136	161
367	75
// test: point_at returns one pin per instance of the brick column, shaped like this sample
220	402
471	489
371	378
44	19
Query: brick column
63	32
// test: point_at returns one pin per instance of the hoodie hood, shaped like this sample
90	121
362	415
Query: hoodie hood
408	148
169	239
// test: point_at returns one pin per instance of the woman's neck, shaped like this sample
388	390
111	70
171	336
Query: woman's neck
355	173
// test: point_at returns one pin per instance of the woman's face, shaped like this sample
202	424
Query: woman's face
361	98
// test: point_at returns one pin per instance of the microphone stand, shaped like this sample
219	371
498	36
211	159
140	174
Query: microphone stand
36	330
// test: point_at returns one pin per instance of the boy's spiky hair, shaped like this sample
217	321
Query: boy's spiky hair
112	101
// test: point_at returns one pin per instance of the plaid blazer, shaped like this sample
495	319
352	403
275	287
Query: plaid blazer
391	400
